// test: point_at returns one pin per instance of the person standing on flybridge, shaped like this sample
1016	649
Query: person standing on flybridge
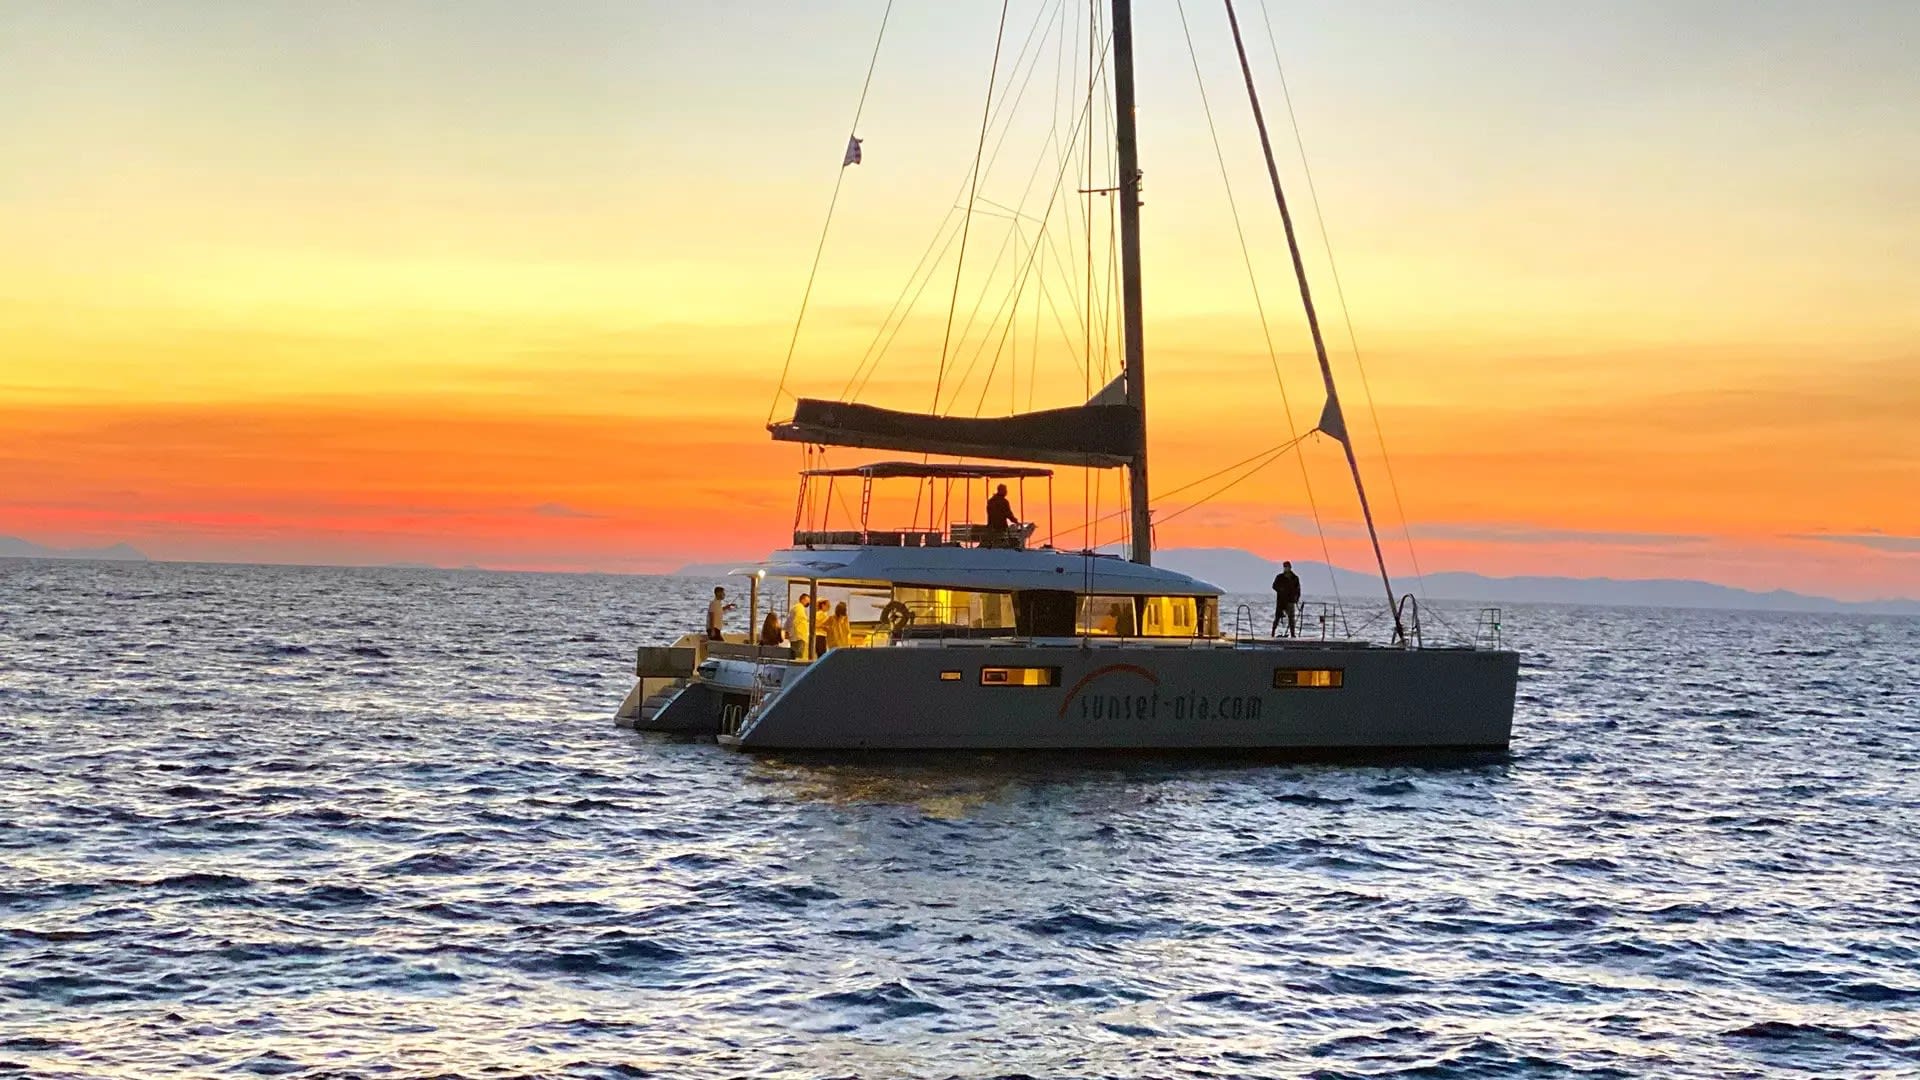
1286	598
1000	519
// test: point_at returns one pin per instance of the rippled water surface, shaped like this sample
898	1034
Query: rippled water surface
377	823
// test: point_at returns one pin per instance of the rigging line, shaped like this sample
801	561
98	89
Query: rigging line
882	337
1006	242
870	356
1313	319
986	115
1033	369
1046	214
986	382
1340	294
1007	105
1222	490
1089	486
1053	141
1066	335
1271	452
1259	305
1012	292
870	363
819	249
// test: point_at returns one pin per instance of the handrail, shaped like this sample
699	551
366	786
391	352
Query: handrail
1488	629
1401	622
1243	612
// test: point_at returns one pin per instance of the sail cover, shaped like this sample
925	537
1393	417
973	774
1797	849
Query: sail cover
1100	434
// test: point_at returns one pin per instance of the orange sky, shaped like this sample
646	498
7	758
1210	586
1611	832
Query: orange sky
1635	290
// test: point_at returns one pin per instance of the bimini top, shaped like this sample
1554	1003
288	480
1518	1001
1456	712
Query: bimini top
991	569
888	470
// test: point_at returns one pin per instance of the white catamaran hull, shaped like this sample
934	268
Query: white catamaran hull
1142	697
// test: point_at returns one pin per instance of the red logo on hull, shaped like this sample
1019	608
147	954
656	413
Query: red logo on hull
1110	669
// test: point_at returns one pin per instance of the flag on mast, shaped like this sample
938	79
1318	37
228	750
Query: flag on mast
853	153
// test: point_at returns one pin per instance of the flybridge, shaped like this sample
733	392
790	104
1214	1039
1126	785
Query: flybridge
933	523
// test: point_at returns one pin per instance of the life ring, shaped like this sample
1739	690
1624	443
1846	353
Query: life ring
897	616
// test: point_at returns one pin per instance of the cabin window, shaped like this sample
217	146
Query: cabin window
950	676
1140	616
956	607
864	607
1019	676
1169	616
1107	616
1309	678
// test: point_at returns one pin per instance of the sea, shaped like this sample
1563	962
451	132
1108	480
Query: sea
293	821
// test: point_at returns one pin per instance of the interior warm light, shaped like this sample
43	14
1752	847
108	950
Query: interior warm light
1019	676
1309	678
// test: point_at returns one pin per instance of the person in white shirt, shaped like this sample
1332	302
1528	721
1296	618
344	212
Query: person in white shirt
717	610
797	630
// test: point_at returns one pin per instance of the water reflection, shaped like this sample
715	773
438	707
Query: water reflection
358	822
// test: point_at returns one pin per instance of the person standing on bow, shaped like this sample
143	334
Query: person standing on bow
1286	599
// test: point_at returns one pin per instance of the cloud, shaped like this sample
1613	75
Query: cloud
561	510
1501	533
1878	541
1495	533
1303	525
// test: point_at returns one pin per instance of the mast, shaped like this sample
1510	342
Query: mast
1332	414
1129	195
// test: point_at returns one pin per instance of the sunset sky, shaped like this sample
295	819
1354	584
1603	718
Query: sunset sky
1637	286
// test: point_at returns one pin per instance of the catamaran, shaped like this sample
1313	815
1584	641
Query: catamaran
952	634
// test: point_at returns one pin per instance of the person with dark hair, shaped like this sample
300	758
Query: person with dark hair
770	630
1000	519
797	621
839	627
717	610
1286	599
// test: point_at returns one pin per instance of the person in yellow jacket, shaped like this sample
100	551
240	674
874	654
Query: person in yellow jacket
798	629
839	627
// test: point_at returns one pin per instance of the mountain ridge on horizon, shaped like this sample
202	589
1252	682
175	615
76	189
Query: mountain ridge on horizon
1237	571
15	548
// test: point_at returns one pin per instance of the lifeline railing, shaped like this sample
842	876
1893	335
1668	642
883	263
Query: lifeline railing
1331	619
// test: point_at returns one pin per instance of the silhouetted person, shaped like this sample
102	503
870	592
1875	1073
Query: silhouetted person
770	630
1000	519
1286	599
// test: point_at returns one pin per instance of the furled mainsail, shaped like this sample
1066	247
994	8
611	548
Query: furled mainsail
1103	433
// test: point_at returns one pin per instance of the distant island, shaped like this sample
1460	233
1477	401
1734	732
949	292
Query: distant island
12	547
1243	572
